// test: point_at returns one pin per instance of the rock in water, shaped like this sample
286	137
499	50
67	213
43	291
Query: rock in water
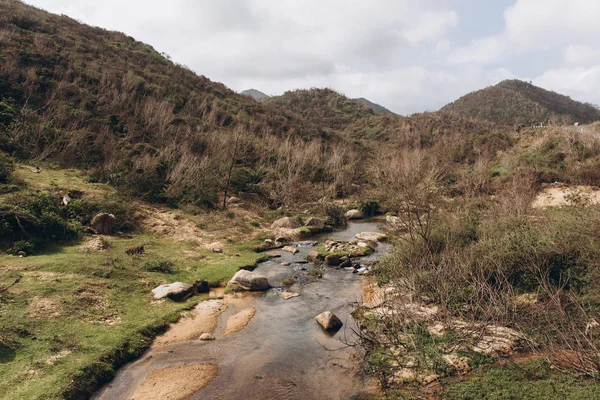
290	249
332	260
202	286
207	336
329	321
354	214
289	295
250	281
371	236
175	291
286	223
104	224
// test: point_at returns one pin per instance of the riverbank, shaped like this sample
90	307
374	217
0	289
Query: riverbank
275	349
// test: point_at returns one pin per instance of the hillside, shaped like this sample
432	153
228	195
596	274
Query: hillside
255	94
324	107
89	98
514	102
378	109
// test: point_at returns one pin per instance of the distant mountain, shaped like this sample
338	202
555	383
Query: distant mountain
514	102
255	94
324	107
379	109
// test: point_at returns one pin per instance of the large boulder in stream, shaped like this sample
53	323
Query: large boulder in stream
249	281
329	321
175	291
285	223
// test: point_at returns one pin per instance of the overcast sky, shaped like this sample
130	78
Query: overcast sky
408	55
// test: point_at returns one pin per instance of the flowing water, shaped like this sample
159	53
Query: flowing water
282	353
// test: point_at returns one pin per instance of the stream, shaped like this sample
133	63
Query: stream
282	353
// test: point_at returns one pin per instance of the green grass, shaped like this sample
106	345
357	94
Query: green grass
532	381
96	309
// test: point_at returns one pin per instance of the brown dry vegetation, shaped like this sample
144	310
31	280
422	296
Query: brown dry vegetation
467	240
517	103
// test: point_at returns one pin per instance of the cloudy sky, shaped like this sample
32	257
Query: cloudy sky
408	55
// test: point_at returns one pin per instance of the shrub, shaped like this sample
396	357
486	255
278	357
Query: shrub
6	168
163	266
369	208
335	214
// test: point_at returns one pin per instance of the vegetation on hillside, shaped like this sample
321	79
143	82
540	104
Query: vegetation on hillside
93	99
468	240
324	107
517	103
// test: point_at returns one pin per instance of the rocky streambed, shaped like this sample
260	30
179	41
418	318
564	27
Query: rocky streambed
264	345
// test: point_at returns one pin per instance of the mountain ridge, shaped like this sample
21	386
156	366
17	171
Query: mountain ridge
515	102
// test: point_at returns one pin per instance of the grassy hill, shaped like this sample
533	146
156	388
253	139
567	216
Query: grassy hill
513	102
378	109
324	107
89	98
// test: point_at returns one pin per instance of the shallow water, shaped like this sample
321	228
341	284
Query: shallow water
282	353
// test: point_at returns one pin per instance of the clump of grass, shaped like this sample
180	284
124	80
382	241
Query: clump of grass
289	281
163	266
316	273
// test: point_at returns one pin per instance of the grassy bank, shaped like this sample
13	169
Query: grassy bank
69	318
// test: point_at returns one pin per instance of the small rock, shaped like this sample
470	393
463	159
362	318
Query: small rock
217	250
290	249
286	264
329	321
269	241
273	254
371	236
175	291
286	223
250	281
347	263
207	336
202	286
281	239
332	260
289	295
354	214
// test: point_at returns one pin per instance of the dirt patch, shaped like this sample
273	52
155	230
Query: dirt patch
203	320
167	223
41	307
176	383
237	322
558	195
95	244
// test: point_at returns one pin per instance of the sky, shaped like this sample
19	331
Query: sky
407	55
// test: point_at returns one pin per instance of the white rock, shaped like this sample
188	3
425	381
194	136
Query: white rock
329	321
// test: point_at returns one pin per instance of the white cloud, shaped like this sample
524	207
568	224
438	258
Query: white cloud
532	25
581	83
581	54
